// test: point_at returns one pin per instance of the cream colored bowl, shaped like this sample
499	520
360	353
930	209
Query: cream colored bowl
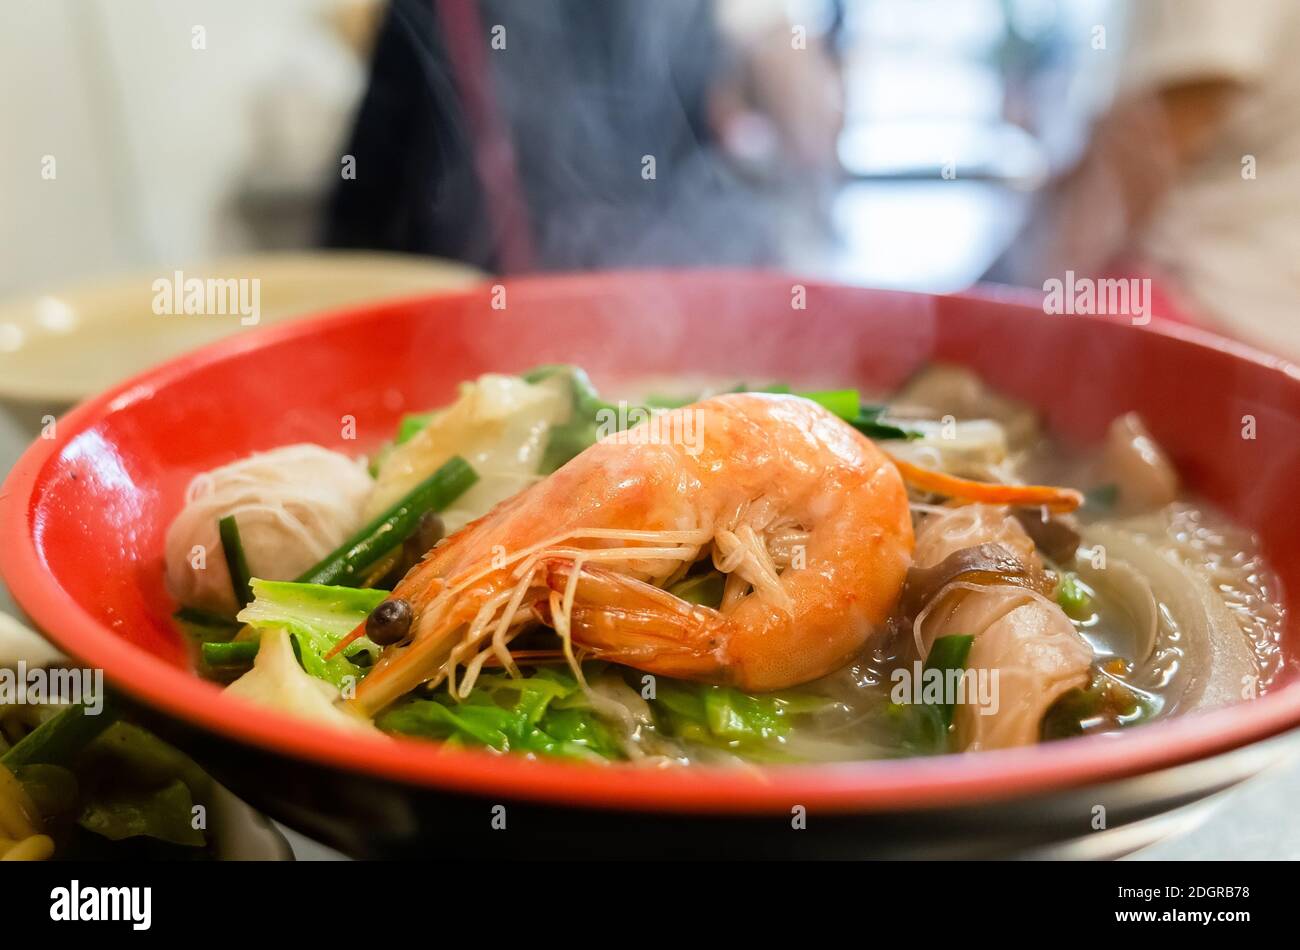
61	347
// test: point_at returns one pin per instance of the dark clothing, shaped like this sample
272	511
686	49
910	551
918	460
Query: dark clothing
583	92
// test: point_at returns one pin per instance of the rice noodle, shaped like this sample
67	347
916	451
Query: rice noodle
1228	559
1135	597
293	506
1202	658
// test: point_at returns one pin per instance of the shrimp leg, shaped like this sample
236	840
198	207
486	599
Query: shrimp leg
617	618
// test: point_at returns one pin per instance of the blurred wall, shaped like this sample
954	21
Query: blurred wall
156	143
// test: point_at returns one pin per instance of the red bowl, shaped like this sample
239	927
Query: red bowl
83	516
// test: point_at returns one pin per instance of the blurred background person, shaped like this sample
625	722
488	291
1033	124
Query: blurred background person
891	143
571	134
1190	177
881	142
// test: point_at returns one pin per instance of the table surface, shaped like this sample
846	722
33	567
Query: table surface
1256	820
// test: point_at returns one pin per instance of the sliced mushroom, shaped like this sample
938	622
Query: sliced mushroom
1057	536
985	564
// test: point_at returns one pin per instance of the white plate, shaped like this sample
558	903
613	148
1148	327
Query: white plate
60	347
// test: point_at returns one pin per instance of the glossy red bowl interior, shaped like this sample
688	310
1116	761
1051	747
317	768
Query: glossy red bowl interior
84	514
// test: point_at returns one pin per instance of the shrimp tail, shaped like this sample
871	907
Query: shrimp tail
617	618
1032	496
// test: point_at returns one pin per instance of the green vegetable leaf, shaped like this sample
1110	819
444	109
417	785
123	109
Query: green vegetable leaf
721	716
949	654
164	813
919	729
925	728
873	428
317	617
845	403
582	430
511	715
331	611
133	784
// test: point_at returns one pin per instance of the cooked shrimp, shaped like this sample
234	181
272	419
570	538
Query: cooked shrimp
805	516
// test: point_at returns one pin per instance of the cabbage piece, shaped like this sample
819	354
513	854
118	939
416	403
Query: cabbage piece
499	424
756	726
293	506
544	713
278	682
327	612
318	617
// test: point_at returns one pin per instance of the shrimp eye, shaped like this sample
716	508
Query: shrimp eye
389	622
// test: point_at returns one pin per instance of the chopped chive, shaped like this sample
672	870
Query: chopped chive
1074	596
230	653
236	562
1102	497
346	565
58	739
201	618
949	653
